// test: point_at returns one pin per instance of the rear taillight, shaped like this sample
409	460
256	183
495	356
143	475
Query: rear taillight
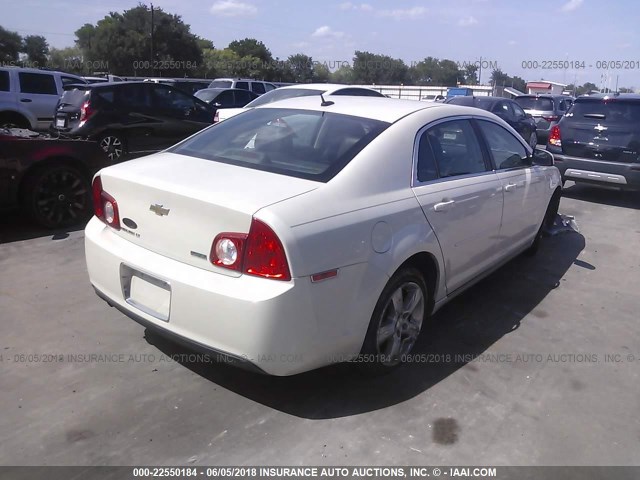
554	136
216	117
86	111
105	206
259	253
551	118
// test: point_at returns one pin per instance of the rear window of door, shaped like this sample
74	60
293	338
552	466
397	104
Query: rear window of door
4	81
449	149
258	87
40	83
506	150
242	97
358	92
134	96
242	85
225	99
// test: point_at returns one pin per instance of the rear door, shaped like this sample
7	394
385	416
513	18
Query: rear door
603	130
7	98
523	185
460	196
39	95
136	117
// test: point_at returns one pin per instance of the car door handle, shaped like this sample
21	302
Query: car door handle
443	206
510	187
25	100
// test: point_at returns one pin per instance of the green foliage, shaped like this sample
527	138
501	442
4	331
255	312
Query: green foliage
10	46
37	49
370	68
68	59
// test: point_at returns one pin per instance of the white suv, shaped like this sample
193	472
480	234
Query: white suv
28	96
255	86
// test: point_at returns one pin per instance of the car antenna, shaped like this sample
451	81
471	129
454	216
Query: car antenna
326	103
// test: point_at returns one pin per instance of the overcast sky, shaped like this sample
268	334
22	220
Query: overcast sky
503	32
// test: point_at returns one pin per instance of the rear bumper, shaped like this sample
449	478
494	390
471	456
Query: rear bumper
621	175
280	328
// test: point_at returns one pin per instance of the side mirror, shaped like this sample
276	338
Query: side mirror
528	115
542	158
217	105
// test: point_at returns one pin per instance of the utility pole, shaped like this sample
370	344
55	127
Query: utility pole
153	70
480	73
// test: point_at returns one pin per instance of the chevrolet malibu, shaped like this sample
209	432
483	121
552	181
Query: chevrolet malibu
307	231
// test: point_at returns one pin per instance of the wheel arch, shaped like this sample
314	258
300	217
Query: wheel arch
18	116
427	265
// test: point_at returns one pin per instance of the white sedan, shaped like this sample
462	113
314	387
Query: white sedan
309	231
297	90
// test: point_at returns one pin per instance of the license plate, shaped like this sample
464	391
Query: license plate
61	122
146	293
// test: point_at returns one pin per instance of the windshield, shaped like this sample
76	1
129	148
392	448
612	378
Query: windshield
299	143
277	95
533	103
207	95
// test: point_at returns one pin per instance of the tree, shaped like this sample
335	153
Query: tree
10	46
436	72
498	77
370	68
250	47
321	73
300	67
470	74
68	59
344	74
122	41
37	49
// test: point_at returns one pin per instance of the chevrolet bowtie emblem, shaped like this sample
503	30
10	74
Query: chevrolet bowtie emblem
159	210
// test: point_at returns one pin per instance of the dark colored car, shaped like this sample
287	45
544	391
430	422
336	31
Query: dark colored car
506	109
598	141
49	178
226	97
546	110
128	118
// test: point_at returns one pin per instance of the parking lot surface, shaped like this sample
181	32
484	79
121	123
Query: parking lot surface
536	365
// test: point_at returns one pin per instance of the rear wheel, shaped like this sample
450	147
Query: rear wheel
57	196
396	322
13	120
113	145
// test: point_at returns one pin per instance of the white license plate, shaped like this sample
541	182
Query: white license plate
60	122
152	298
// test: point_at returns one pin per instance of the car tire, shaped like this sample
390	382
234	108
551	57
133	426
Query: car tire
547	222
13	120
114	145
533	140
57	196
396	323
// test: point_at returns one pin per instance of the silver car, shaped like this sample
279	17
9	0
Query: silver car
546	110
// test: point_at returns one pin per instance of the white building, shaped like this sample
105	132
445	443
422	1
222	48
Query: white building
545	86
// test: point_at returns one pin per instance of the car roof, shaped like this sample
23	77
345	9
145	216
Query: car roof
328	88
376	108
609	96
542	95
473	101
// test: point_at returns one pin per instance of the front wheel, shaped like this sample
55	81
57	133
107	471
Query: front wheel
58	196
396	322
533	140
113	145
547	222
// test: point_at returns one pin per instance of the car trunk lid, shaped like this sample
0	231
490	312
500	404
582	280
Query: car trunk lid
175	205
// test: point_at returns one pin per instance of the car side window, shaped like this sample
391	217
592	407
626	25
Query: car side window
258	87
269	86
242	97
133	96
242	85
358	92
225	99
506	150
562	106
41	83
449	149
172	99
517	111
4	81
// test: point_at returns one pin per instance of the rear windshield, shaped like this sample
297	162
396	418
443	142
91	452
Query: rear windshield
533	103
207	95
220	84
599	111
75	96
298	143
277	95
